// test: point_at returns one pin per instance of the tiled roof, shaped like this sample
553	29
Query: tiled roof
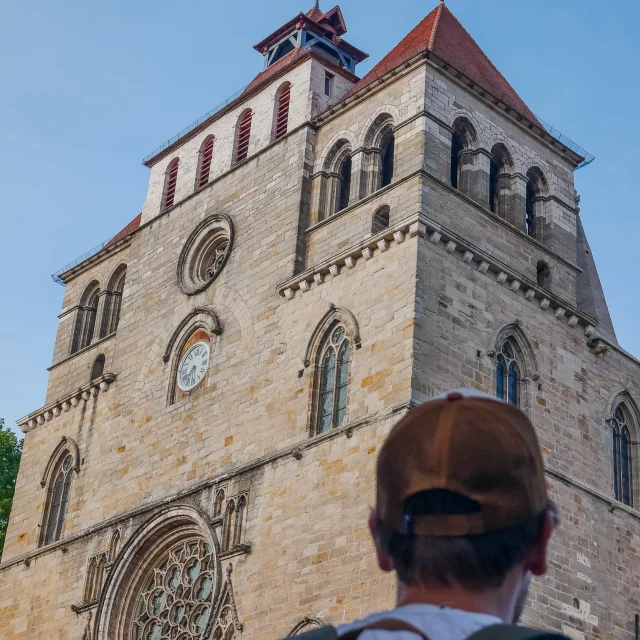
441	34
128	230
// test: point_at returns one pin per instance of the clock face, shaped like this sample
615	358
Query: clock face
193	366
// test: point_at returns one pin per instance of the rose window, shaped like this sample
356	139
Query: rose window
205	254
176	599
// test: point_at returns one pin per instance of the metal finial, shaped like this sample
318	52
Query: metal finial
317	4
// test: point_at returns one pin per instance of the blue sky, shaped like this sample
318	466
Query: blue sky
88	89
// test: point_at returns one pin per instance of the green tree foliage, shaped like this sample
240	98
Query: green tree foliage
10	452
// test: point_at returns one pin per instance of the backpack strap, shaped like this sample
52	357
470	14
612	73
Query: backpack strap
321	633
513	632
388	624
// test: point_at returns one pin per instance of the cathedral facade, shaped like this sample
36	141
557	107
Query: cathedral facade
312	259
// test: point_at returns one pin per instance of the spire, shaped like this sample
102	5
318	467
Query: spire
317	4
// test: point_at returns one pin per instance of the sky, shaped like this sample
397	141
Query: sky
88	89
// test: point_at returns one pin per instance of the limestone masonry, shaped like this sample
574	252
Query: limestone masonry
312	260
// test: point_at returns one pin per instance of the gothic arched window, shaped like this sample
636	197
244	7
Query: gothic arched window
86	318
388	147
378	159
622	458
113	302
462	138
334	378
508	376
499	180
204	162
243	135
344	173
536	190
281	120
170	183
57	498
228	526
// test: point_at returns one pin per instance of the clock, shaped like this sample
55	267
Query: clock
193	366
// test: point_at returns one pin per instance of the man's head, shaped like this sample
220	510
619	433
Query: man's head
461	498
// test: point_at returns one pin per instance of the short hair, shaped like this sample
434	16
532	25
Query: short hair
474	562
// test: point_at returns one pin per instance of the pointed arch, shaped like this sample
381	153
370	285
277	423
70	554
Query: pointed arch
227	526
99	577
330	352
113	545
65	445
242	136
113	301
199	317
239	523
378	155
86	313
57	477
335	189
179	533
170	184
515	365
334	314
219	503
90	579
281	110
463	138
623	422
205	157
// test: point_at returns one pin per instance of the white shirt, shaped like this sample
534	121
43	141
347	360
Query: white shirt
437	623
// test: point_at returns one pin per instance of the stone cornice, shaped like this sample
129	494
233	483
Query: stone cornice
295	451
71	356
507	276
379	243
55	408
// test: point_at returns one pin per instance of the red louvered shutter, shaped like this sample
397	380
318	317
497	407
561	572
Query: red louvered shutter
282	118
171	182
244	134
206	155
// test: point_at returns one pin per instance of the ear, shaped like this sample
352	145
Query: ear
384	561
537	561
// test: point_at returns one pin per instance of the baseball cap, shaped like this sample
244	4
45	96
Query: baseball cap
463	463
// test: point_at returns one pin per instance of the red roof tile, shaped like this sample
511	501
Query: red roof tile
441	34
128	230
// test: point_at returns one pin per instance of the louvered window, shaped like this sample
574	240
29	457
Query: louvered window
206	155
243	136
171	180
282	110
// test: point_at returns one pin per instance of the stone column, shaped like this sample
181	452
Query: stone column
479	179
102	311
466	172
540	223
503	195
358	176
517	202
318	185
